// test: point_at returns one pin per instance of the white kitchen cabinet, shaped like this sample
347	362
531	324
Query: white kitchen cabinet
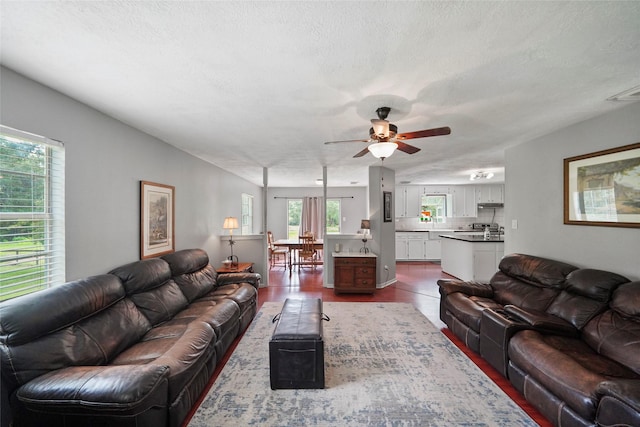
408	199
416	246
433	249
402	250
471	260
436	189
464	201
493	193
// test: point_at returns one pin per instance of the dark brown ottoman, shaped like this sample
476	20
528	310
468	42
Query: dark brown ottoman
296	349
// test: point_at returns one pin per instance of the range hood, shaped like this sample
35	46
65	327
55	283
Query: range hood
490	205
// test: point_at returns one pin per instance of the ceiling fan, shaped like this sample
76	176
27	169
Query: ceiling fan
384	137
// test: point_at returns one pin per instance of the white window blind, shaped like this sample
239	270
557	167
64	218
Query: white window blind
31	213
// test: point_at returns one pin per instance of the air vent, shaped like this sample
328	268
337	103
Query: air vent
405	182
632	94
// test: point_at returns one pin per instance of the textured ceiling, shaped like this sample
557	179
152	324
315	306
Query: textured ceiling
249	85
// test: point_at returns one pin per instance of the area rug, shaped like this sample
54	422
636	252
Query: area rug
385	365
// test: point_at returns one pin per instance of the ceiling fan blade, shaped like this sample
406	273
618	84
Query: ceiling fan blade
425	133
409	149
348	140
362	153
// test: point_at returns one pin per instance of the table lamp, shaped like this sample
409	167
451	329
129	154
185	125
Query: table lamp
365	225
231	223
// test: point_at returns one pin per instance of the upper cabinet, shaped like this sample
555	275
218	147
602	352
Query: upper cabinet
464	201
436	189
493	193
408	200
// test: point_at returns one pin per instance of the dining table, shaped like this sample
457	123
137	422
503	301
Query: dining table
294	246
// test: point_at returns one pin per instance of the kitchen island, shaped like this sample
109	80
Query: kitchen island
471	257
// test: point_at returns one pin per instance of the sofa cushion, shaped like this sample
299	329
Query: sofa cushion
186	261
143	275
148	283
21	319
119	390
565	366
184	352
162	303
198	283
586	294
536	270
594	284
626	300
466	309
91	341
614	333
243	294
511	290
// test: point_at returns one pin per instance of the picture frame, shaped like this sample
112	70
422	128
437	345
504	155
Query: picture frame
603	188
386	204
157	219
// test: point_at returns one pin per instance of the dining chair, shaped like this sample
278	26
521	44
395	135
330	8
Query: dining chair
276	252
307	255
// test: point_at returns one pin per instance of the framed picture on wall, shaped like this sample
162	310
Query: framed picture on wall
157	219
603	188
386	202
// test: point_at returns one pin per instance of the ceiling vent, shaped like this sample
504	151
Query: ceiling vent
632	94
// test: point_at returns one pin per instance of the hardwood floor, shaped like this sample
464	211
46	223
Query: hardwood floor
417	284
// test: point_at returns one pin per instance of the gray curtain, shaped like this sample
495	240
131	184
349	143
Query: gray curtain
313	216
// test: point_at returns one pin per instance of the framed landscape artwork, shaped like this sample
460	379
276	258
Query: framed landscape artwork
386	205
157	219
603	188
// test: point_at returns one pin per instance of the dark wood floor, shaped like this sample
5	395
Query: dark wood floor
417	284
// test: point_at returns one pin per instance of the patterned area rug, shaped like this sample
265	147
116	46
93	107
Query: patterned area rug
385	365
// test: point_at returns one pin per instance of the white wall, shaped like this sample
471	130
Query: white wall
105	161
534	190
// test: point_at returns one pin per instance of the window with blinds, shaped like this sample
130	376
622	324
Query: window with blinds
31	213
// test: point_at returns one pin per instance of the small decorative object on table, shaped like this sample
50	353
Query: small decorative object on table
365	225
231	223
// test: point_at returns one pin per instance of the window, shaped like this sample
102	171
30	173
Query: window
31	213
433	208
294	215
247	214
333	216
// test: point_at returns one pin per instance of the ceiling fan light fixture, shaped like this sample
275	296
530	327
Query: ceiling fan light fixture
382	150
380	128
481	175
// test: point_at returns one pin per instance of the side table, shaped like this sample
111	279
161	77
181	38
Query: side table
242	267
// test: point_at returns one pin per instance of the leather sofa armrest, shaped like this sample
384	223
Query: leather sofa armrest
229	278
541	321
470	288
627	391
619	402
122	389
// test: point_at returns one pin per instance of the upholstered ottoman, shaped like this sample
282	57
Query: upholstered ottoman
296	349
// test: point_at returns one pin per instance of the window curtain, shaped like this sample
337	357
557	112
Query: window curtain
312	216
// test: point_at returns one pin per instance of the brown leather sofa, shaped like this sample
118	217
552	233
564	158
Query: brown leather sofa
570	345
134	347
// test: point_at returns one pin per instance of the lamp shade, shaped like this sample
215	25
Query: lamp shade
230	223
382	150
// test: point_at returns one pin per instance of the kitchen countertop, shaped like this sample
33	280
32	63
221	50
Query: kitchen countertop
474	238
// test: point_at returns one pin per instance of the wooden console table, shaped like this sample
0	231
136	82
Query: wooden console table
242	267
354	273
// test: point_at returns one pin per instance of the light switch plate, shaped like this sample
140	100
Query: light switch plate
514	224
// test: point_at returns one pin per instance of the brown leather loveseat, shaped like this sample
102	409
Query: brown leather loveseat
567	338
134	347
